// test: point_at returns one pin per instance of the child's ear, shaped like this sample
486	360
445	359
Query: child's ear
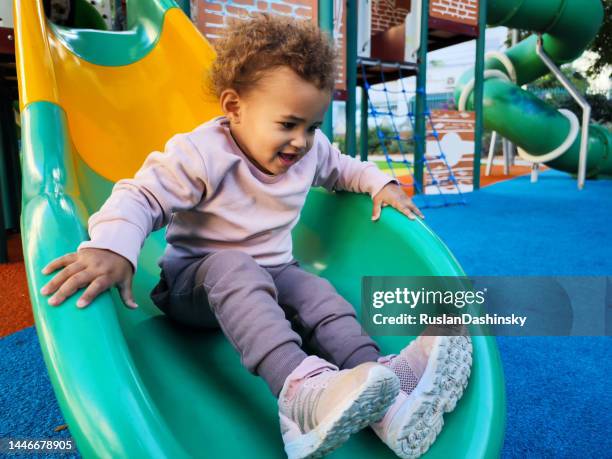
230	104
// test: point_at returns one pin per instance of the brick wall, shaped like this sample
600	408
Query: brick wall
339	34
210	16
463	11
386	14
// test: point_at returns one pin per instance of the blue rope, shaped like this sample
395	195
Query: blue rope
385	139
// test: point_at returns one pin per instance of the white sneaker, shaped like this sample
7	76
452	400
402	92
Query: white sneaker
432	381
320	407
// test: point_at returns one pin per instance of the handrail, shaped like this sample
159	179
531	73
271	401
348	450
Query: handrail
586	109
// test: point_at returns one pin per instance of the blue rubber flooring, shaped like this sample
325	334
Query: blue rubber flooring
28	408
558	397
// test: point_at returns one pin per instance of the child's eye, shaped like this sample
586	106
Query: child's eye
288	125
312	129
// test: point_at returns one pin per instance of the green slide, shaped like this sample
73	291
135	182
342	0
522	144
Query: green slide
131	383
567	27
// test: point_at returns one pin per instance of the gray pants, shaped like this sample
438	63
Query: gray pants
256	307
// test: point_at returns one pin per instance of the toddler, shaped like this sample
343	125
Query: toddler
230	192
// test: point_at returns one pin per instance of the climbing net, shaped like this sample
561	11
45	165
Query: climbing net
391	118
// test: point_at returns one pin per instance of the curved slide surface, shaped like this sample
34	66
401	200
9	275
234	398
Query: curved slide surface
130	383
567	27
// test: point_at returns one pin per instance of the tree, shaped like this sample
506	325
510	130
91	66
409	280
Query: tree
601	107
549	81
375	146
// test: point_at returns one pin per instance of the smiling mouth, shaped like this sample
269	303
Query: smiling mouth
288	158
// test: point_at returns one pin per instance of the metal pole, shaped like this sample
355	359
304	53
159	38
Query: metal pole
586	110
3	237
421	98
326	24
491	153
507	145
515	36
363	138
511	145
478	89
9	170
351	77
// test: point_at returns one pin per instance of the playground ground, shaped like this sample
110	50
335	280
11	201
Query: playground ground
558	399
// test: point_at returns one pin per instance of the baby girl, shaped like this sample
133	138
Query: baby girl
230	193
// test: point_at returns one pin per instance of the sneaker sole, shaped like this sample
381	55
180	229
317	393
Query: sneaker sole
369	404
438	391
457	369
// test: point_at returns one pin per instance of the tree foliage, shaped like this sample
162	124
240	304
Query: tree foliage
549	81
602	44
375	145
601	107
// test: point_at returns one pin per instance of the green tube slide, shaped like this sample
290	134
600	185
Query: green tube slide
133	383
567	27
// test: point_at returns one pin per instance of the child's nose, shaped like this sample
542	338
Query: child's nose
299	141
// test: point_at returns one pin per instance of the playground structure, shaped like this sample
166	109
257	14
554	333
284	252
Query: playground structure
129	382
563	30
382	41
392	43
439	177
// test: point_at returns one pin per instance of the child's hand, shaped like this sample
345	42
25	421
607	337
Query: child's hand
393	195
96	269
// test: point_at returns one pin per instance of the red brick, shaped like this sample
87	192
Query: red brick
237	11
243	2
200	24
262	6
213	30
305	12
214	18
213	7
281	8
300	2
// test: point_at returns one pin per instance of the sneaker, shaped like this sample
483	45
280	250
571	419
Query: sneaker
433	377
320	407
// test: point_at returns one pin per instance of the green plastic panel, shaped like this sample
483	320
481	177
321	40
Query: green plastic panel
567	26
132	384
111	48
86	16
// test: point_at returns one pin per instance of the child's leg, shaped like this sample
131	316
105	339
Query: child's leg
319	406
243	298
329	321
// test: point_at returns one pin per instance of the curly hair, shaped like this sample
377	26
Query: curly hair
249	48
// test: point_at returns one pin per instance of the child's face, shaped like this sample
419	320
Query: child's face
275	122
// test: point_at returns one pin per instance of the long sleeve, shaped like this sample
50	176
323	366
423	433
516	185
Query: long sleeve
166	183
336	171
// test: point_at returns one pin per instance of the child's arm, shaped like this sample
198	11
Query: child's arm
166	183
336	171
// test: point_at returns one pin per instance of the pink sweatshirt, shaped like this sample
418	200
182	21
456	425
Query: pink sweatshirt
212	197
